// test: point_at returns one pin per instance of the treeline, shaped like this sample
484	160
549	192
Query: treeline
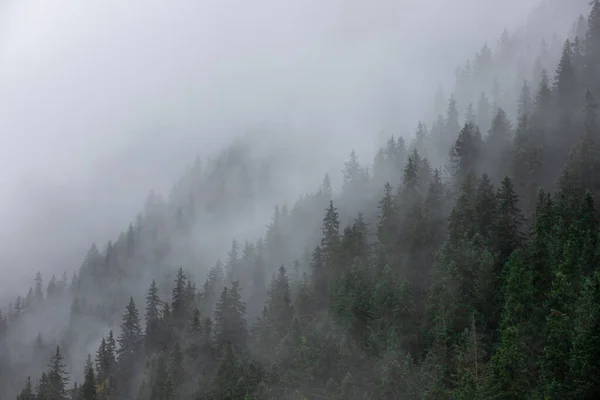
473	278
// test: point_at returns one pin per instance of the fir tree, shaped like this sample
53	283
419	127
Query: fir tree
57	377
88	389
178	303
27	391
131	342
153	329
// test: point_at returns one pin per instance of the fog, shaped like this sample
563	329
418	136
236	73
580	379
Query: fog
194	160
101	102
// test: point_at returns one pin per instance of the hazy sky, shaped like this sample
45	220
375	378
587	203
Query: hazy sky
101	101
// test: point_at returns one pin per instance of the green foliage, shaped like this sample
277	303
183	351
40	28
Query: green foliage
472	285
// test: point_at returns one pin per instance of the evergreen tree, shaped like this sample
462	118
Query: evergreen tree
451	124
485	206
509	377
176	368
232	266
43	388
508	226
484	113
27	391
497	145
584	363
88	389
466	152
39	291
57	377
178	304
230	322
279	303
153	330
131	343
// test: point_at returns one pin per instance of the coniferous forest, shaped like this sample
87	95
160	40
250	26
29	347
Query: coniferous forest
461	264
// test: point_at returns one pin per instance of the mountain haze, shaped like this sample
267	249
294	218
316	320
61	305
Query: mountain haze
346	201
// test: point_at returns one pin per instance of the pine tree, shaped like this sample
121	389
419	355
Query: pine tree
399	378
176	367
410	180
178	303
554	363
43	388
326	255
279	304
39	291
507	229
484	113
230	322
159	377
470	117
435	212
584	363
469	374
304	302
57	377
525	103
331	238
497	145
451	124
565	83
466	153
509	377
386	226
227	375
421	137
213	285
485	206
153	330
232	266
463	219
131	343
355	178
592	47
27	391
88	389
584	161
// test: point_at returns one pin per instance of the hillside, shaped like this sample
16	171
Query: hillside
461	265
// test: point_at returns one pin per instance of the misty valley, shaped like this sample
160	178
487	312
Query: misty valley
460	262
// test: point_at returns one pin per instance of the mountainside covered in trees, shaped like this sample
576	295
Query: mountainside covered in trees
462	265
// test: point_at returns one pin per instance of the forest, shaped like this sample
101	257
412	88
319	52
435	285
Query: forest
463	264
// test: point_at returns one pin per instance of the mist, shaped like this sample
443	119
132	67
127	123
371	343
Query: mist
293	195
104	101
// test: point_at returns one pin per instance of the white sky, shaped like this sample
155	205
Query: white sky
101	101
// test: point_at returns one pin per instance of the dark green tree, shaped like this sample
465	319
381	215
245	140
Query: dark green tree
57	377
88	389
153	330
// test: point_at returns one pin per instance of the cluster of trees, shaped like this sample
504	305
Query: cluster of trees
472	275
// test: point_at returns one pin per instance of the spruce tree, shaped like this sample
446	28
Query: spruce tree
279	304
43	388
497	146
507	234
153	329
178	303
131	343
509	377
27	391
485	207
466	153
88	389
57	377
230	322
584	363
